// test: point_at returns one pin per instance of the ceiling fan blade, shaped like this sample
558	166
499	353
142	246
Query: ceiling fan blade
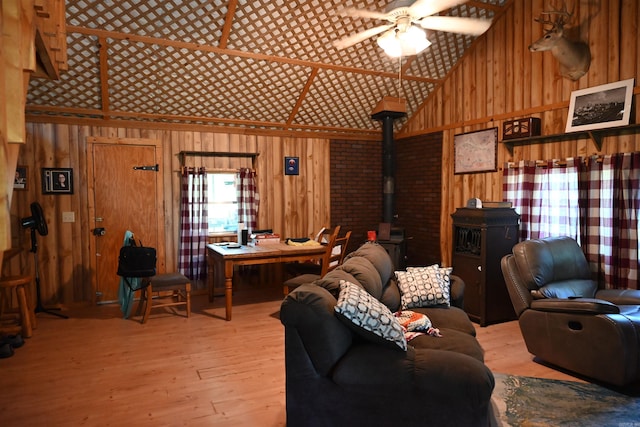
430	7
454	24
363	13
358	37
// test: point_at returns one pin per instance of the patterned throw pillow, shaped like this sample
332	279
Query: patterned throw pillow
424	286
368	317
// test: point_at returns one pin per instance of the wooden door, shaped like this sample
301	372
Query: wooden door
125	193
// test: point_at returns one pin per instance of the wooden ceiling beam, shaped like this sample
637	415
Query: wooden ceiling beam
305	131
164	118
303	94
228	22
240	53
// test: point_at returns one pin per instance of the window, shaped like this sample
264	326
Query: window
223	205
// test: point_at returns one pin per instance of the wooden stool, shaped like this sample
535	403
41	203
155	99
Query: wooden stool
176	282
27	316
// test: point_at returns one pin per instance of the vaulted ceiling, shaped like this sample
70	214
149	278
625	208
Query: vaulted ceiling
239	65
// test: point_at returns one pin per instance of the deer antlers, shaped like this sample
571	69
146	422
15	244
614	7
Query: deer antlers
562	17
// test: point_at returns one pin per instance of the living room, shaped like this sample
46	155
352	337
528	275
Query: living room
496	80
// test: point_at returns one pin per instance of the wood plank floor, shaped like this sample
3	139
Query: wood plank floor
97	369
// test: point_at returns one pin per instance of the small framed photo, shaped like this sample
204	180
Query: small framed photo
291	166
601	106
57	181
21	180
476	151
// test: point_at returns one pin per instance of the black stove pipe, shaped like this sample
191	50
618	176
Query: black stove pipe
388	163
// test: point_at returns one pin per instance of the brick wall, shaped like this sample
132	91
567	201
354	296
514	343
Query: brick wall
419	196
356	187
356	192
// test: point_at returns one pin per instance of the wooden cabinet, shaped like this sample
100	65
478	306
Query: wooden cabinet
481	237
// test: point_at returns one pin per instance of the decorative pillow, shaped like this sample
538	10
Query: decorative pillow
368	317
424	286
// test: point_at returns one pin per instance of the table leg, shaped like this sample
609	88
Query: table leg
210	277
228	286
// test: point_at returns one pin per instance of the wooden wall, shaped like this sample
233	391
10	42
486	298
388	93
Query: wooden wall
501	80
293	206
498	80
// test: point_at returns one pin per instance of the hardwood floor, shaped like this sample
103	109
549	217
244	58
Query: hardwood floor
97	369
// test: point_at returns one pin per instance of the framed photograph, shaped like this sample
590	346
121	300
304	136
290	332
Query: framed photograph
57	181
476	151
21	181
291	166
600	107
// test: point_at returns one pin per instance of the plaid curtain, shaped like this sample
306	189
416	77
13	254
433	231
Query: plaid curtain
527	185
194	227
610	203
597	202
248	198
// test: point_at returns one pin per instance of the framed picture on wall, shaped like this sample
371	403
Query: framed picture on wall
57	181
21	180
601	106
291	165
476	151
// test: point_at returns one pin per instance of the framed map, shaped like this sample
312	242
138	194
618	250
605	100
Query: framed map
476	151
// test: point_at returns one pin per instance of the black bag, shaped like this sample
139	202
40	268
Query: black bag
137	261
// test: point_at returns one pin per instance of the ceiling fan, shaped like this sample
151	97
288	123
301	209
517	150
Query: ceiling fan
401	37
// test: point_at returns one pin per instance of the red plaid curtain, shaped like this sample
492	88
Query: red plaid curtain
527	186
610	204
194	227
248	198
596	202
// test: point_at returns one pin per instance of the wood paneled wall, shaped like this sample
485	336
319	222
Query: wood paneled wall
293	206
501	80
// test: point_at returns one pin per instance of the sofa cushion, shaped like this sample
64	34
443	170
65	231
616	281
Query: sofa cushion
368	317
365	274
331	281
391	295
450	318
378	256
310	310
424	286
451	341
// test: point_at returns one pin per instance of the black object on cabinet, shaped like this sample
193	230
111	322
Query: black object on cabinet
481	237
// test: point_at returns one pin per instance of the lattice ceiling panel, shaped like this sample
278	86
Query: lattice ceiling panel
79	87
242	63
180	82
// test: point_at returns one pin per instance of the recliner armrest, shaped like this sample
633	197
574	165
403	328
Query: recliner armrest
575	305
620	296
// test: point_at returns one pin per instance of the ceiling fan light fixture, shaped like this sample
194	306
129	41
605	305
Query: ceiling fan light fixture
404	43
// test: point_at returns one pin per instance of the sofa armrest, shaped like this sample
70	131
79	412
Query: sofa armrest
575	306
457	291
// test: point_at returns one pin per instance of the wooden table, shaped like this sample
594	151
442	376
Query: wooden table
225	258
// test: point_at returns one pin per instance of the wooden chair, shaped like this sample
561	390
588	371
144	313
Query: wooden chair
26	316
334	255
160	284
325	236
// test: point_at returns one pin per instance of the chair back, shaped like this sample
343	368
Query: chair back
339	251
552	267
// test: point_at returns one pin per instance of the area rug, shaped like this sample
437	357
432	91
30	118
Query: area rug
532	402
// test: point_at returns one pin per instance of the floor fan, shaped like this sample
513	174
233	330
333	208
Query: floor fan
36	222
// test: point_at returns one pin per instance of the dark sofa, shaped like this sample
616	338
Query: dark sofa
337	377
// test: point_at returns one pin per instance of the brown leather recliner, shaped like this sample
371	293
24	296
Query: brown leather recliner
565	319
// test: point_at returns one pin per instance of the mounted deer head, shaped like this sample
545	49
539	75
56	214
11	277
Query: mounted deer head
574	56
